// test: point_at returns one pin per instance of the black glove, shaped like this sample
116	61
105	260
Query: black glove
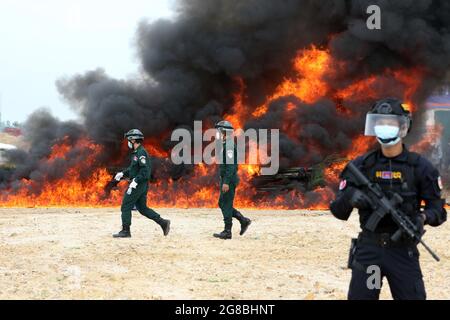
357	198
420	223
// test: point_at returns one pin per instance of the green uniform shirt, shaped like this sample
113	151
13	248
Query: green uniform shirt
140	168
228	169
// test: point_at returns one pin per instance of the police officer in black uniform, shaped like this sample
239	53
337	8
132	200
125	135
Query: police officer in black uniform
396	170
229	181
139	173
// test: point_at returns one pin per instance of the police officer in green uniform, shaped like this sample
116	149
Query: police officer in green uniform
228	182
139	173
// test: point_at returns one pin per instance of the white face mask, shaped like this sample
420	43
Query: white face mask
130	145
387	135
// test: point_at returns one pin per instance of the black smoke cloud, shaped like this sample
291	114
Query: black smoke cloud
189	67
42	131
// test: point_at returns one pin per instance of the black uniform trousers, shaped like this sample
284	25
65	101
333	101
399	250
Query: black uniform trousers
398	264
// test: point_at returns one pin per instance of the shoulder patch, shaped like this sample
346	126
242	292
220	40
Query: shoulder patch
440	185
143	159
342	184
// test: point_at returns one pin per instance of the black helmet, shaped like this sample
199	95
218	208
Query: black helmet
390	106
224	126
134	134
393	106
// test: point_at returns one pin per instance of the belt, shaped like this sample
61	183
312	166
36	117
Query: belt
383	240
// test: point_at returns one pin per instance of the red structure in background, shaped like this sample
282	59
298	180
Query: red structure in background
13	131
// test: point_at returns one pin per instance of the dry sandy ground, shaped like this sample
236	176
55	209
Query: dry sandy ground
10	139
69	254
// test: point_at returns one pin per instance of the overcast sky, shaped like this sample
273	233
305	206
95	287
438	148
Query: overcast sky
41	41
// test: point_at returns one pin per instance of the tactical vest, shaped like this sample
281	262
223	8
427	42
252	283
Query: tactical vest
393	176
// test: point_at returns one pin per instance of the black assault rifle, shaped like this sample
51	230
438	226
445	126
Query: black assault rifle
382	206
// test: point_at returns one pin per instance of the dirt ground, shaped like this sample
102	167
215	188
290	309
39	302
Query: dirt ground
69	254
10	139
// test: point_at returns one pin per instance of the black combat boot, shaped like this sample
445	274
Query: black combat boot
165	226
245	222
124	233
225	234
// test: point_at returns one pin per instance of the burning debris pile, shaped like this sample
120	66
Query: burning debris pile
294	178
309	68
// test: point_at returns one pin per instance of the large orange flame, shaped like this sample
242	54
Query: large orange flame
310	66
308	83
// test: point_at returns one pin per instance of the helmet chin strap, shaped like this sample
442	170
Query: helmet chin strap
389	142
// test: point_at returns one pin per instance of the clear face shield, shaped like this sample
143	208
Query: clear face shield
389	129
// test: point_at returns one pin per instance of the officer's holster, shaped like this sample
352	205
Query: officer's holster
352	262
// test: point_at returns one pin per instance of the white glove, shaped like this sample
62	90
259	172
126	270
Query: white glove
132	186
118	176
